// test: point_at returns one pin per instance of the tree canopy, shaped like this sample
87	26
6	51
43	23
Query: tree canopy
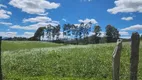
112	33
79	33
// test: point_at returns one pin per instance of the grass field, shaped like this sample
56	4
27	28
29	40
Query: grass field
18	45
49	61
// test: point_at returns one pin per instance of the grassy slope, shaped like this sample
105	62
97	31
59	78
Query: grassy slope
18	45
88	62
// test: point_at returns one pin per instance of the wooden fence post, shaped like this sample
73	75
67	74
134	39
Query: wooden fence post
134	60
116	60
0	60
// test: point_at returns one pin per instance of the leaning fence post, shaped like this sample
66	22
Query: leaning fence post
116	60
134	60
0	60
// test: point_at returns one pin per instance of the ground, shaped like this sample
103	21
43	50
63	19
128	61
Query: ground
24	60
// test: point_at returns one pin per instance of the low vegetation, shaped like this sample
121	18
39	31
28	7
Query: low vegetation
18	45
70	62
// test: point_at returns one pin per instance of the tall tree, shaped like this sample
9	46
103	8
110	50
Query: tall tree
64	29
57	32
112	33
67	30
39	33
53	32
97	31
75	32
49	31
87	29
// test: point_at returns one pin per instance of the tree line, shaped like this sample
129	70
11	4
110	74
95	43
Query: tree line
49	31
77	33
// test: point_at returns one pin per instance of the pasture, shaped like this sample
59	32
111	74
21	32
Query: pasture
50	61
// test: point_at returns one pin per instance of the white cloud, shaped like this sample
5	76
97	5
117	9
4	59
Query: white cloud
8	34
64	20
34	6
9	13
8	29
134	27
89	0
23	27
1	5
125	37
103	34
5	14
125	6
77	25
15	34
85	0
6	23
35	26
44	14
91	33
127	18
26	34
38	19
123	33
93	21
61	36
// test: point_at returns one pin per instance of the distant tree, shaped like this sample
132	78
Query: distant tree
97	31
39	33
75	32
67	30
49	31
19	38
86	30
141	37
32	38
57	32
64	29
112	33
86	27
53	32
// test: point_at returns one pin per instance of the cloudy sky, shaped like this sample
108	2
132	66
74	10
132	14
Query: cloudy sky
23	17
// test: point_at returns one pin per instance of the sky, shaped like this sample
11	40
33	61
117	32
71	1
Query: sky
22	18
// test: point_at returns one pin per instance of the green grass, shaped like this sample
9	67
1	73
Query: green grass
18	45
82	62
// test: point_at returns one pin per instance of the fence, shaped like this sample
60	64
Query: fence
0	60
134	59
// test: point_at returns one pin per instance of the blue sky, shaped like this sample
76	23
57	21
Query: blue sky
23	17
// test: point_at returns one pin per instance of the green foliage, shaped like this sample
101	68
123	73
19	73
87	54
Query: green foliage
52	31
141	37
112	33
17	45
88	62
97	31
39	32
77	33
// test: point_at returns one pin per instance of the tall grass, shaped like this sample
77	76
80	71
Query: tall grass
18	45
83	62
